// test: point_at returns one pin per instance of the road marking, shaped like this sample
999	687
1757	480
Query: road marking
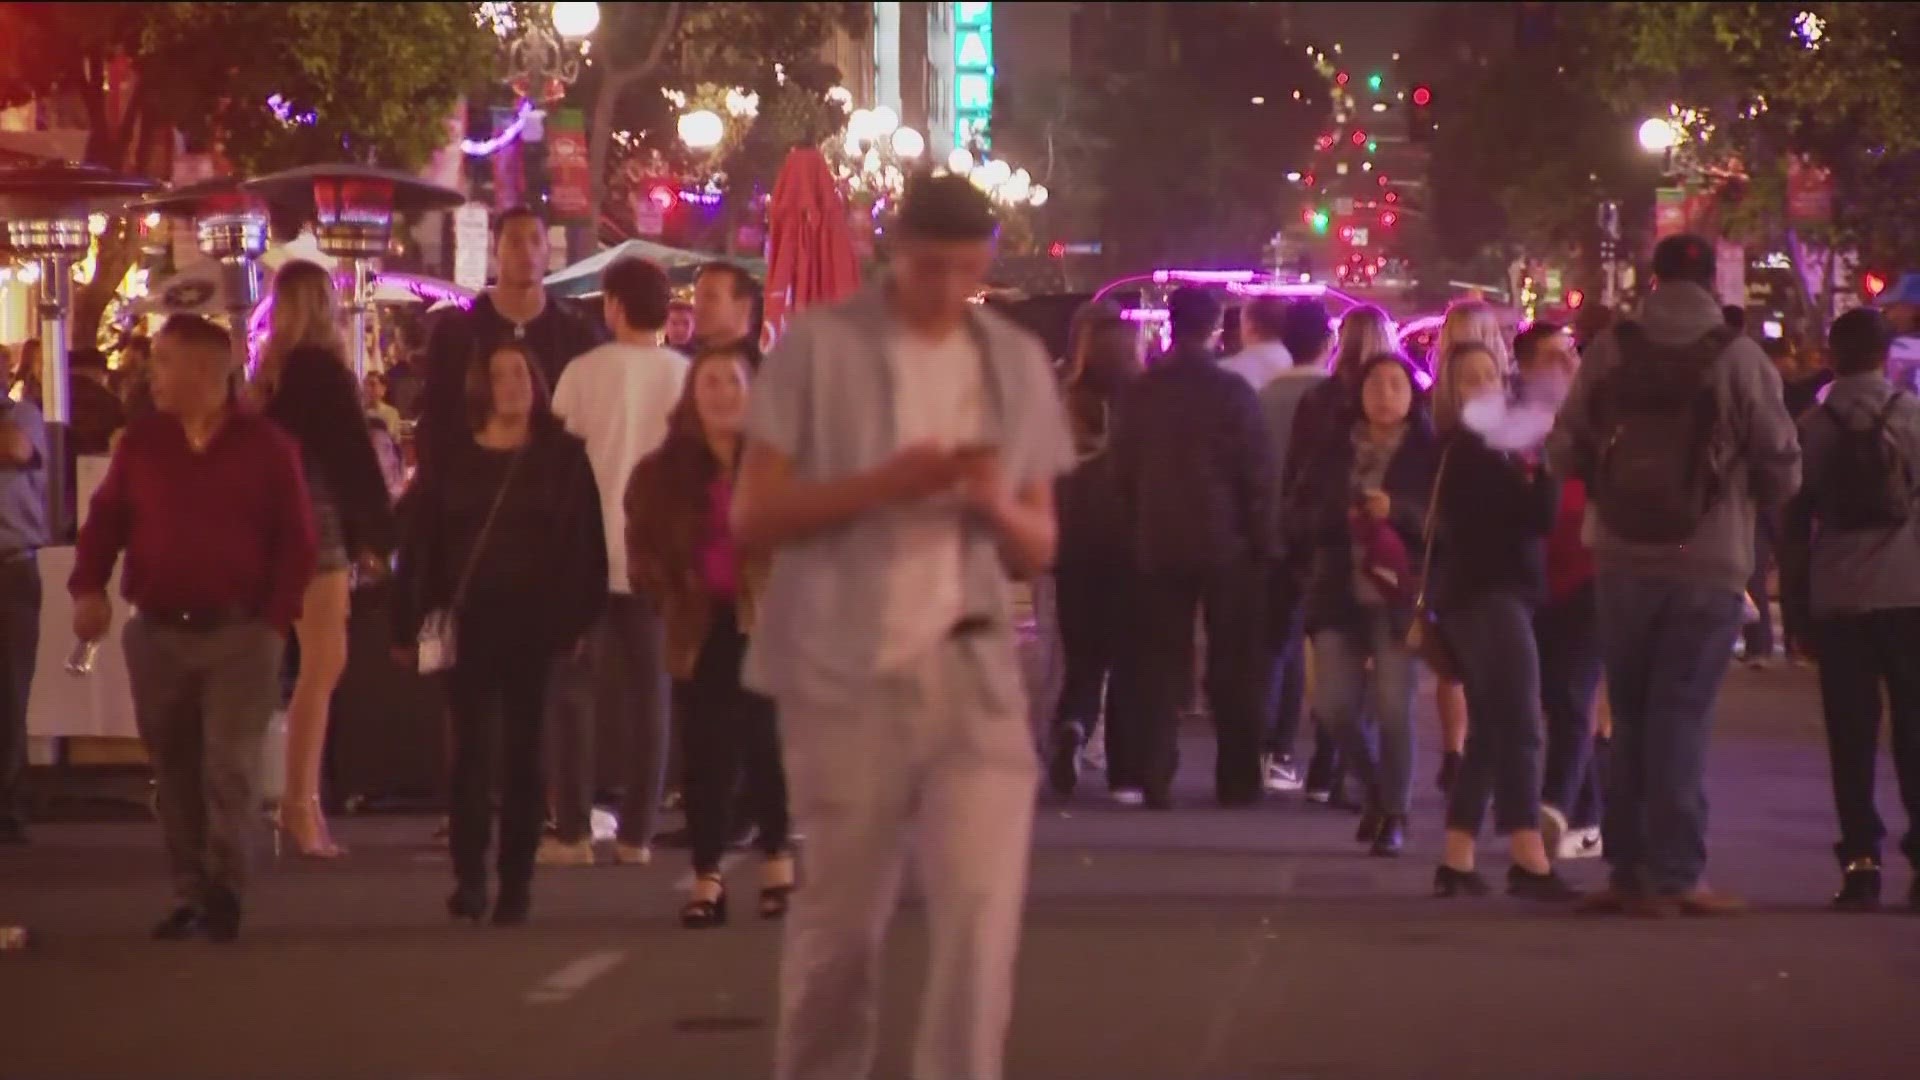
1239	987
574	976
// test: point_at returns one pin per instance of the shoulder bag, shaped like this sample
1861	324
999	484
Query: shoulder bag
1424	638
438	640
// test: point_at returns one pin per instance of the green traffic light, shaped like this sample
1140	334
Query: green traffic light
1320	221
1372	145
1374	82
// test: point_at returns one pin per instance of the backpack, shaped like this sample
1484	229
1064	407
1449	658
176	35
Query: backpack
1660	430
1867	482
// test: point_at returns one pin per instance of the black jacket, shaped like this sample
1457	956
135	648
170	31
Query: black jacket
557	335
1318	516
1193	468
543	565
1495	514
316	401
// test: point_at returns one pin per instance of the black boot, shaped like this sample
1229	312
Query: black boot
1391	840
1860	888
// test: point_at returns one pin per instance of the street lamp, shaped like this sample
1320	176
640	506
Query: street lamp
575	22
702	129
1657	135
541	61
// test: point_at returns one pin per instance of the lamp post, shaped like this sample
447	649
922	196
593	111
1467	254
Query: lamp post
230	227
44	210
352	209
539	62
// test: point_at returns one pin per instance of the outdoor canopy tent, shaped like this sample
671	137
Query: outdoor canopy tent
583	277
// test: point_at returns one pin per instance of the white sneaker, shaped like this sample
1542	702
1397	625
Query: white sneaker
1282	777
1581	844
632	854
1093	753
556	852
1129	796
1553	826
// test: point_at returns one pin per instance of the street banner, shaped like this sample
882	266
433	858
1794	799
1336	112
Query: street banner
570	179
1809	192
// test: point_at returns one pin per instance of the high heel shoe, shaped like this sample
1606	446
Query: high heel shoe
305	827
776	894
467	905
706	911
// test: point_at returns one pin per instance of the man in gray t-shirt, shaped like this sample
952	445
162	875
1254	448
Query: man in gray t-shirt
23	532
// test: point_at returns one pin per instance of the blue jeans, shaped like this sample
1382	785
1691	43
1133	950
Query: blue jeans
1492	639
1667	646
1342	683
1568	636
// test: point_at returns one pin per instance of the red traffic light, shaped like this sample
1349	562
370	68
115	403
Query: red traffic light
1383	179
1359	138
1057	250
1393	196
1422	96
662	197
1324	142
1388	218
1574	299
1307	215
1307	180
1340	79
1875	283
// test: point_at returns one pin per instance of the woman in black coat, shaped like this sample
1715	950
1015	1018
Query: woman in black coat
1361	512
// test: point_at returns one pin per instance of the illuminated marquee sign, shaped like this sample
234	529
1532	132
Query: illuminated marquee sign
972	73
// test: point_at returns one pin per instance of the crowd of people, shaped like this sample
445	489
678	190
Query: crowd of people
789	583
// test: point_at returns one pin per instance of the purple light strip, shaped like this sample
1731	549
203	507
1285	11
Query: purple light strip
499	142
1279	288
1204	277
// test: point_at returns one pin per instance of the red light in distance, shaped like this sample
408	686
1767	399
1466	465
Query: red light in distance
1422	95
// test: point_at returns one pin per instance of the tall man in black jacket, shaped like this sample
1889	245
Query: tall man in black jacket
1195	478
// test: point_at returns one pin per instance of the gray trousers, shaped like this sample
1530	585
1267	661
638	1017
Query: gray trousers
916	765
202	701
624	676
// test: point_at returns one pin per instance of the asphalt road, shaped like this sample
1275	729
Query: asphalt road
1193	945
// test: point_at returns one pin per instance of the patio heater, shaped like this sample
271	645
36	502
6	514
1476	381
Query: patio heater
230	227
352	209
44	209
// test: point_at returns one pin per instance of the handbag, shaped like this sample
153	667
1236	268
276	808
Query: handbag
1424	638
438	641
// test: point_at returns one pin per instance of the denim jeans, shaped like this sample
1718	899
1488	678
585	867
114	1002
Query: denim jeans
1667	646
1860	654
624	670
1759	633
1568	634
1341	687
1285	666
1492	638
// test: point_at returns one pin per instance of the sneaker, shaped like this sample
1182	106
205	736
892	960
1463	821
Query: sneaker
1553	826
1581	844
1319	795
1093	753
626	854
1129	796
556	852
1282	776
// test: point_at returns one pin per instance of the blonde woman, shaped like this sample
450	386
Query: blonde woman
308	390
1469	322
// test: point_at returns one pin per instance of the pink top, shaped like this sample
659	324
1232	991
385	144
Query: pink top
719	564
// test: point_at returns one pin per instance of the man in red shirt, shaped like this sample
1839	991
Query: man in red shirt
210	507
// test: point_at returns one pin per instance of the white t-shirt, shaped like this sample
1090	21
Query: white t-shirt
616	398
939	394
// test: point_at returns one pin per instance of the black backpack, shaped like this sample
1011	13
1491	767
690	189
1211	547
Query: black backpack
1867	482
1659	426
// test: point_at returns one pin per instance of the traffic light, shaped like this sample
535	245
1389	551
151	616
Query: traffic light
1359	138
1373	145
1389	218
1057	250
662	197
1874	282
1574	299
1420	120
1321	219
1340	79
1374	82
1422	96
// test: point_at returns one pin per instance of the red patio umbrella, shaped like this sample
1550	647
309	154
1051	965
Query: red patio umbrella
810	257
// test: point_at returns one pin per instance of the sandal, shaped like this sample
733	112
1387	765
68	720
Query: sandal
777	894
706	911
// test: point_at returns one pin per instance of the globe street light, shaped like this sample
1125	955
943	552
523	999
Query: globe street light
576	21
702	129
908	144
1657	135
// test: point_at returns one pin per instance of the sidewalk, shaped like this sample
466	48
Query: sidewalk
1194	945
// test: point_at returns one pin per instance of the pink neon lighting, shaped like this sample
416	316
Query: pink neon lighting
1204	277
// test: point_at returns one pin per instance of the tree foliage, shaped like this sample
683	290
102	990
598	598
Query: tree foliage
1193	170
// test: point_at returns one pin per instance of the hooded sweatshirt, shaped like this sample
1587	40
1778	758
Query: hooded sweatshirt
1762	460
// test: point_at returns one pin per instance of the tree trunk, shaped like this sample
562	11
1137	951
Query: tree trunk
600	130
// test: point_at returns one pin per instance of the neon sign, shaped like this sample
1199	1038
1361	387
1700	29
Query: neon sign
972	74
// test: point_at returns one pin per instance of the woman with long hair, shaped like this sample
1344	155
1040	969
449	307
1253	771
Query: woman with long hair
308	390
1365	512
1104	357
1494	511
680	550
1468	322
501	539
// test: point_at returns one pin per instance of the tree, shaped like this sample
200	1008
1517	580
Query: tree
1193	168
737	44
1836	86
366	82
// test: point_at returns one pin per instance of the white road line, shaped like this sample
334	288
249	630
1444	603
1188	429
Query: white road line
574	976
1214	1041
